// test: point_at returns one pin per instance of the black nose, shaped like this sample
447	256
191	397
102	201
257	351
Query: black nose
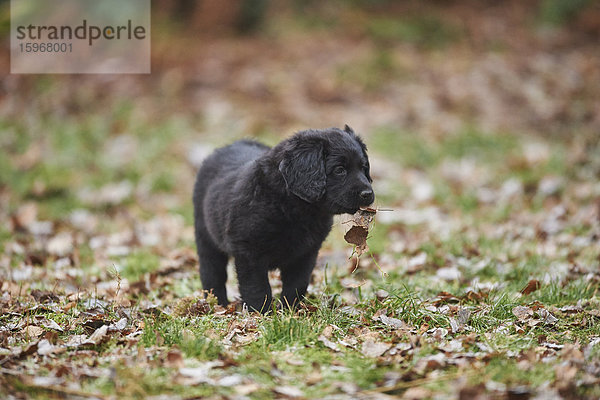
366	197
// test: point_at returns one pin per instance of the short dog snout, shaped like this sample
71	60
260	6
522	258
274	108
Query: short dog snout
366	197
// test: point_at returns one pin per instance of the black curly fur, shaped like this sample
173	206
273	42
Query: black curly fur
273	207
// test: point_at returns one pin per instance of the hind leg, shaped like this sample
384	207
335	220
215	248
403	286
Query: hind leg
213	269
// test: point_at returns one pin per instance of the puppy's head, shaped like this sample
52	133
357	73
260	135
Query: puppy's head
329	167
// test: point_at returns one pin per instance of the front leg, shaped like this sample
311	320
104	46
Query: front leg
295	278
253	281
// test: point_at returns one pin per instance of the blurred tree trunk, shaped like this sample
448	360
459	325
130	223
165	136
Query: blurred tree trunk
242	16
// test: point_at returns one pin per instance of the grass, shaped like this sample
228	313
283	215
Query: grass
288	344
138	264
373	71
508	372
186	334
416	152
561	12
422	152
283	328
424	31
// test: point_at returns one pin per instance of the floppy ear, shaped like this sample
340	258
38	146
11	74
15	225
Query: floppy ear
303	169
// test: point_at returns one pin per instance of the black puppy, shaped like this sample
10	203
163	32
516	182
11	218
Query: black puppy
273	207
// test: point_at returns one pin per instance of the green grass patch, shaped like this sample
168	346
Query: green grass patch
559	12
426	31
413	150
187	334
408	148
139	263
507	371
283	328
373	71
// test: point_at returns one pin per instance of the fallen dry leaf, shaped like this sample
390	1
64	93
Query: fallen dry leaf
118	326
60	245
416	263
546	316
313	377
24	216
174	358
33	331
439	333
394	322
289	391
371	348
50	324
197	375
531	287
46	348
463	316
98	336
76	340
246	389
522	312
328	343
449	273
430	363
43	296
417	393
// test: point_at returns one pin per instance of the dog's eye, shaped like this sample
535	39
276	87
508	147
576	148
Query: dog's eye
339	170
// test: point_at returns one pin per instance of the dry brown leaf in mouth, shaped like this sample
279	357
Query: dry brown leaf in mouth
364	217
359	231
357	235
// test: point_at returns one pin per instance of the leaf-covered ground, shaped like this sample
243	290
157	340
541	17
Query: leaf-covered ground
481	281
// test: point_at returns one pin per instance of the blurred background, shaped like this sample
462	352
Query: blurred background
471	109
